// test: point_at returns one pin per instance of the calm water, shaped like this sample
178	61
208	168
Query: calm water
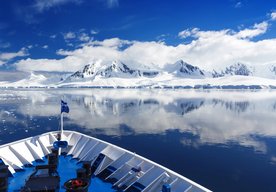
224	140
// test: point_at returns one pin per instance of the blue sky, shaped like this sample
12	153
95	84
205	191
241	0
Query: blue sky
54	30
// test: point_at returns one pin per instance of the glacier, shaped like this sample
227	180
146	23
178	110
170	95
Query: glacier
118	74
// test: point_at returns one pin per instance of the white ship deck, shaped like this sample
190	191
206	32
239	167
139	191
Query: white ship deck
122	169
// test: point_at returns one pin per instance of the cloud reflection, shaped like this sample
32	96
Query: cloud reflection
244	118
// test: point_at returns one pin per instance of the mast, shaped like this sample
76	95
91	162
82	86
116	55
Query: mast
61	124
59	143
64	109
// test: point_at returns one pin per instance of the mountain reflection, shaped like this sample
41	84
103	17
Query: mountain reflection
239	107
184	106
213	117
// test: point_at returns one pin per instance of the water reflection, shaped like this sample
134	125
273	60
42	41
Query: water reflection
216	117
190	125
239	106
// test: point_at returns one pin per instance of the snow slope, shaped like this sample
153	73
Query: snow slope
227	82
185	70
117	74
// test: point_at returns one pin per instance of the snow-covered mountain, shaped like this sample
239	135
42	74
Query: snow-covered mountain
89	71
36	79
183	69
33	80
114	69
267	71
241	69
119	69
236	69
177	75
273	69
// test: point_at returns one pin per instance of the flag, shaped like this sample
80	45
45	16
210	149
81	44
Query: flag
64	107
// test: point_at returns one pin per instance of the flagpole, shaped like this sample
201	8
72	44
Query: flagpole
60	143
61	124
61	131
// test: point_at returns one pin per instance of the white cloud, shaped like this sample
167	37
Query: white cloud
208	50
184	34
257	29
114	42
112	3
42	5
162	37
53	36
45	46
94	32
78	39
273	16
12	76
69	35
188	33
29	12
4	45
84	37
73	60
7	56
238	4
273	160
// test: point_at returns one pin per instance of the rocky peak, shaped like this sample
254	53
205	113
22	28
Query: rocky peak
182	68
238	69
